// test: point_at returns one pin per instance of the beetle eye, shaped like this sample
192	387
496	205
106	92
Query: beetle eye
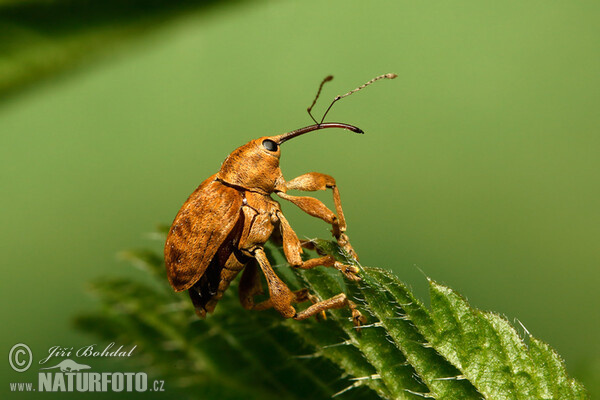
269	145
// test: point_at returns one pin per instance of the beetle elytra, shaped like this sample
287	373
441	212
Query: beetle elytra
222	227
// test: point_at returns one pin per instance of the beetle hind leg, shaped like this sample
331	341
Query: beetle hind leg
250	285
197	302
338	301
281	297
300	296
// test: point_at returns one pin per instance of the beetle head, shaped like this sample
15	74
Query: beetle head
255	165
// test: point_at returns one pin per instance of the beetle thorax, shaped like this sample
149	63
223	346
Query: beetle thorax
252	168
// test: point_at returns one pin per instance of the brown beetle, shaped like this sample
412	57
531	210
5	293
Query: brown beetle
222	227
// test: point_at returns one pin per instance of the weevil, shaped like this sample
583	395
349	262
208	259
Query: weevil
222	227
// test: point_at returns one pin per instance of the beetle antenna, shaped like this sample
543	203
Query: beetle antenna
338	97
309	109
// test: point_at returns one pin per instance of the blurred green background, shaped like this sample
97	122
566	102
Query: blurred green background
480	164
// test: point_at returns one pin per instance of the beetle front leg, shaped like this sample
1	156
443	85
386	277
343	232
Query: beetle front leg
314	181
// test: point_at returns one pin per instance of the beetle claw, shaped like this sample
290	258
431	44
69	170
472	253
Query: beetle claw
349	271
344	242
357	318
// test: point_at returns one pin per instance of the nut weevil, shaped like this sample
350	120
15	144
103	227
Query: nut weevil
222	227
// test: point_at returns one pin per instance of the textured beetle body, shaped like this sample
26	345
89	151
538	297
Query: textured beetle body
213	237
222	228
204	222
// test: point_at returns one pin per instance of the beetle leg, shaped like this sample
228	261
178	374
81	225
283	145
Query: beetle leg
281	297
250	285
307	244
292	247
301	296
338	301
197	302
256	232
316	181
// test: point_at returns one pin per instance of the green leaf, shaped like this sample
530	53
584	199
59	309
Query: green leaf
39	39
404	351
400	314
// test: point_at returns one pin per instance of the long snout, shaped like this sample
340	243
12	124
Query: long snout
290	135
